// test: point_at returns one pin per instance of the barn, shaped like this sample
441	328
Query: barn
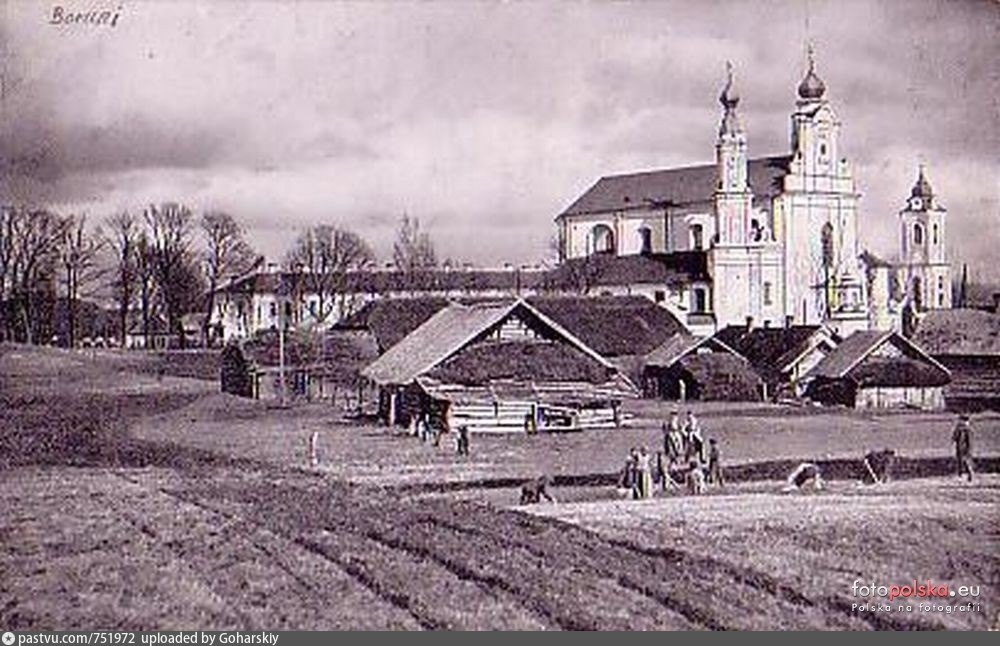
875	369
703	368
967	342
781	356
499	366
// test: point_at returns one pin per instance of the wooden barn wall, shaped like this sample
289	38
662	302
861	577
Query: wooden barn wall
929	398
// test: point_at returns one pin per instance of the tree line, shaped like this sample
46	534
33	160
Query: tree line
161	264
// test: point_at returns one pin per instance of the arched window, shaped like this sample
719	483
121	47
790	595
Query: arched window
645	240
918	294
756	232
603	239
826	238
935	234
940	297
918	234
697	237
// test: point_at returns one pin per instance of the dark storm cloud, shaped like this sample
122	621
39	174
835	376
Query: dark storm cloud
485	119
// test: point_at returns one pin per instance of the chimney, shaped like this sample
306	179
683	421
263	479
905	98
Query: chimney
749	323
789	321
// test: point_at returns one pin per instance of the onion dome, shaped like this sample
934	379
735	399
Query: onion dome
922	188
812	87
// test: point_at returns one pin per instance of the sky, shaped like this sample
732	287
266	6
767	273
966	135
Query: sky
482	119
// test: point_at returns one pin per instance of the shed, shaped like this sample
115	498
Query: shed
705	368
500	366
875	369
317	366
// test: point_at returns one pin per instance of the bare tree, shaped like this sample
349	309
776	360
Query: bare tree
7	228
145	275
174	269
79	255
31	242
413	249
574	275
322	261
122	237
226	252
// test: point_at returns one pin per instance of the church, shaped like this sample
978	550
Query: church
779	234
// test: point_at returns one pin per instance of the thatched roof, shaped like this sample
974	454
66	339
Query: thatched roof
722	376
900	371
682	345
612	325
959	331
519	360
455	327
773	350
857	358
389	320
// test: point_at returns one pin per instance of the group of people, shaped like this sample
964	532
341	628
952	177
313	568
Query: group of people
689	454
686	459
421	427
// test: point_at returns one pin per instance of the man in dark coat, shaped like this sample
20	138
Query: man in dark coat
962	437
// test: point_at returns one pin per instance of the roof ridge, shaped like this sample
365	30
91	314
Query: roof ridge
710	164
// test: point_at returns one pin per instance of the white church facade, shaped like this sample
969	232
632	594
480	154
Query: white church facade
780	233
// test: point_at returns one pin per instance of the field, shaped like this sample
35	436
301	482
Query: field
138	500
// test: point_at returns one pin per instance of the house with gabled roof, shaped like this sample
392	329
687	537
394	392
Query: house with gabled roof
498	366
967	342
874	369
702	368
780	355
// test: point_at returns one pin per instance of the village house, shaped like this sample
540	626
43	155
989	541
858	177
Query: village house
875	369
500	366
781	356
967	342
688	367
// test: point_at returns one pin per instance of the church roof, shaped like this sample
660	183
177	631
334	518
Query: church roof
676	186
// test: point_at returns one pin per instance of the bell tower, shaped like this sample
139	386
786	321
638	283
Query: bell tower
733	197
819	209
926	274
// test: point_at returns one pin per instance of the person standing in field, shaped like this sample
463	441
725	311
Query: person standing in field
714	463
674	445
660	472
645	473
691	429
461	437
962	437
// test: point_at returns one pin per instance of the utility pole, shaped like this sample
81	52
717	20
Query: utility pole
281	353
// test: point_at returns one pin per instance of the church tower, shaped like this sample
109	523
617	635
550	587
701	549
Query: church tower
744	258
733	197
817	215
925	275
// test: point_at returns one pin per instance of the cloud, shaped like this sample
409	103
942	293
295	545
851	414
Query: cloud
485	120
